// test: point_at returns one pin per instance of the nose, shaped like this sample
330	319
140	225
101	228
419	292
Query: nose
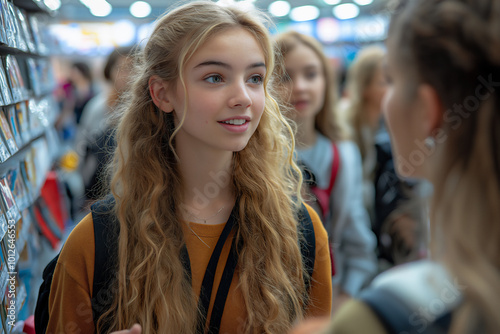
299	83
239	96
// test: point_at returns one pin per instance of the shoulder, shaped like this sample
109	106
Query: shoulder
348	151
420	283
350	167
319	230
95	106
77	254
80	239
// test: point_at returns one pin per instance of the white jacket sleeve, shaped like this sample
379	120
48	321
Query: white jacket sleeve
353	240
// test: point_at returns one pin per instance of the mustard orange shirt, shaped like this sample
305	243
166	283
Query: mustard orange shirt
70	294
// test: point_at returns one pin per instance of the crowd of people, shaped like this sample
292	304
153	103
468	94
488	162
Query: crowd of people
236	194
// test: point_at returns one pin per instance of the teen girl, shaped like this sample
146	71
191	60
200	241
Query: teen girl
307	86
201	142
444	64
366	86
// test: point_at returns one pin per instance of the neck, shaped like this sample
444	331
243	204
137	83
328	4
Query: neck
373	116
206	185
306	133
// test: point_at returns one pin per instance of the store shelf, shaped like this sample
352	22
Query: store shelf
34	6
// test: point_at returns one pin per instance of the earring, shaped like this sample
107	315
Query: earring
430	142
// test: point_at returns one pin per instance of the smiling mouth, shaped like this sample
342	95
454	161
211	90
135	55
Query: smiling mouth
300	103
234	121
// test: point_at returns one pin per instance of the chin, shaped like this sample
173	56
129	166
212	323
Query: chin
239	148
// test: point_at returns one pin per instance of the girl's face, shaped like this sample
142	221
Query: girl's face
224	82
376	90
405	115
306	86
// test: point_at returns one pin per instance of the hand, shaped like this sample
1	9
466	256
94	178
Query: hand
311	326
135	329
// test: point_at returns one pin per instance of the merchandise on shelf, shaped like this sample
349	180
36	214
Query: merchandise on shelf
4	87
7	134
32	214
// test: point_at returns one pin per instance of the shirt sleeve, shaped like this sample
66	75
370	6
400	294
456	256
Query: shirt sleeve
70	308
320	297
353	240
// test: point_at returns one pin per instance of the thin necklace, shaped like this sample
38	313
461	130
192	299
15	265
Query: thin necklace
204	219
189	225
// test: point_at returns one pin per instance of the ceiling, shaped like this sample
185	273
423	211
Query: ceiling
73	10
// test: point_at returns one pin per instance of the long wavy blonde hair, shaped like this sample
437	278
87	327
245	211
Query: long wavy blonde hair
327	120
359	77
454	46
151	287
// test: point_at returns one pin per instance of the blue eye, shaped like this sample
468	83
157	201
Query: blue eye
311	75
215	79
256	79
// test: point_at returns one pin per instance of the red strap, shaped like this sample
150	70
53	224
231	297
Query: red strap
332	259
323	195
335	167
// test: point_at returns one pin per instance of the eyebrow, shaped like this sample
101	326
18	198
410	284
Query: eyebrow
305	68
225	65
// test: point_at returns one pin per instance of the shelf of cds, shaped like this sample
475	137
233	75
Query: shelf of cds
27	140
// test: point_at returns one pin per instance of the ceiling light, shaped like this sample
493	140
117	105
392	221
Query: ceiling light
140	9
246	5
52	4
346	11
304	13
279	8
87	3
332	2
328	30
101	8
363	2
123	32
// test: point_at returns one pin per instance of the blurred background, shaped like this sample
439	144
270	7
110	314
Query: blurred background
92	28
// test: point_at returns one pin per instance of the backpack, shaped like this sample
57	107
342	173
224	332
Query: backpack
415	298
321	196
105	252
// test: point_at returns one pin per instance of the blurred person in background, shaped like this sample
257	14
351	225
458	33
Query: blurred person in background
95	133
77	92
443	113
332	165
393	204
366	85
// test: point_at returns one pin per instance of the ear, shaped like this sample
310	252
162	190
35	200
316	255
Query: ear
432	108
158	89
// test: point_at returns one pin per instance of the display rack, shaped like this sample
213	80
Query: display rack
28	112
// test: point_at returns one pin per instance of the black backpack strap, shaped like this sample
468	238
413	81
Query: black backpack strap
106	232
307	243
208	279
397	317
308	251
223	290
42	303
